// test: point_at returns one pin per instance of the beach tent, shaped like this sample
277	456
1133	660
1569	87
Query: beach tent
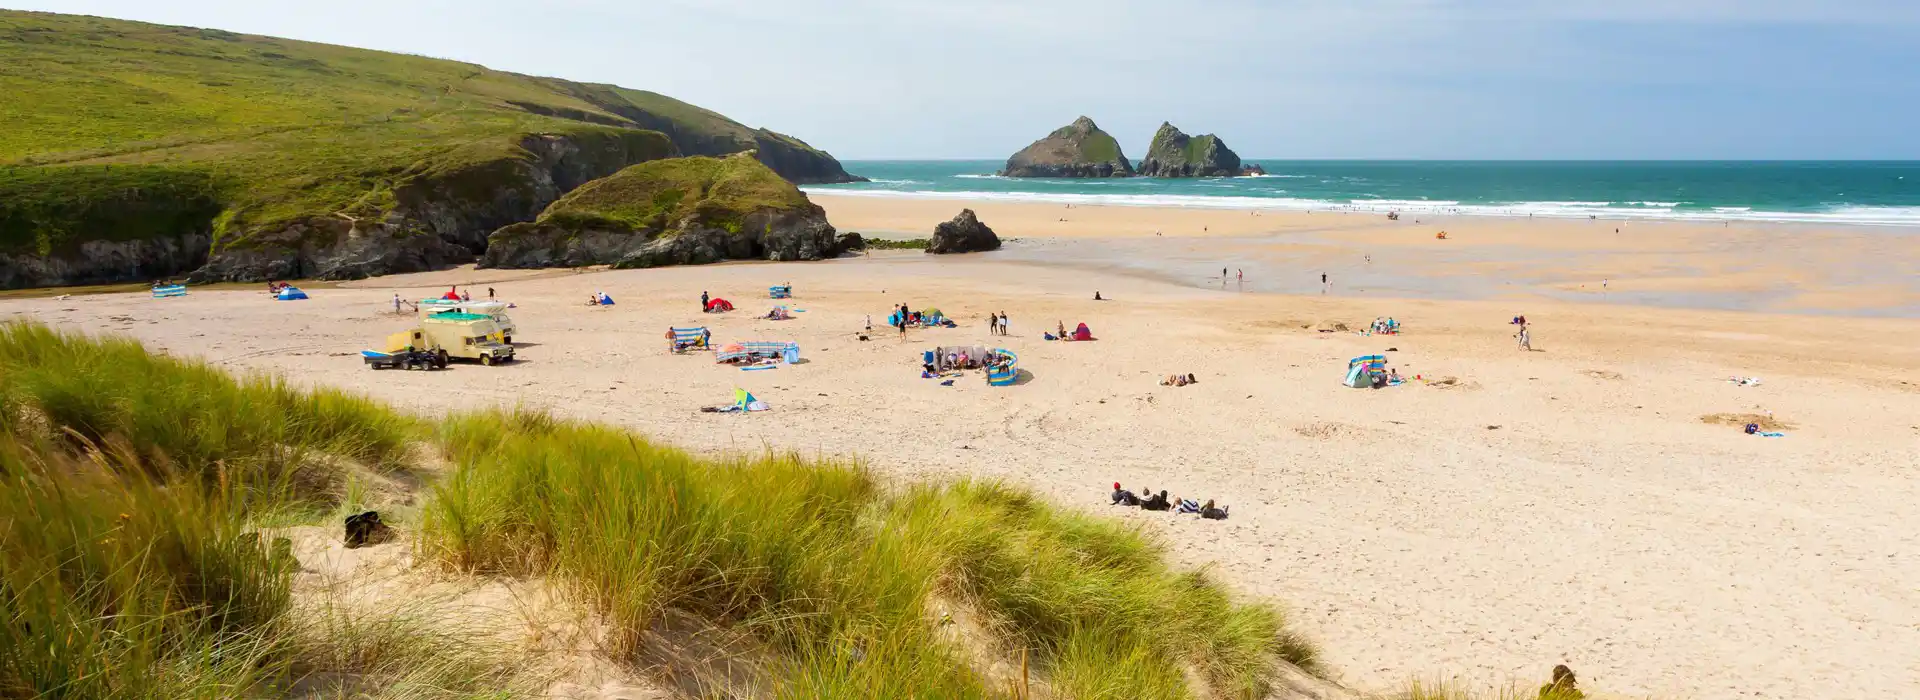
606	299
743	400
1361	370
931	316
290	294
1081	332
784	291
451	294
717	305
169	290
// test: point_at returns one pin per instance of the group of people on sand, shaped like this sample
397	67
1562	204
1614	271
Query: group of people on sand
1160	502
997	323
1179	380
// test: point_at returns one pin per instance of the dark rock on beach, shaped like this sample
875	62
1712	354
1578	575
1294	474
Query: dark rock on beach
963	234
1175	154
1079	149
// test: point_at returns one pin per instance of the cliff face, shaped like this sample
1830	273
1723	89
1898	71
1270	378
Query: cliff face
441	216
1079	149
1174	154
678	211
105	262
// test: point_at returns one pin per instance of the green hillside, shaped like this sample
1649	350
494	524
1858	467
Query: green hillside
277	130
654	194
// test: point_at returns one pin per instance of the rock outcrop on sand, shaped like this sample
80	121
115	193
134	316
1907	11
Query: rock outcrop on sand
1175	154
1079	149
963	234
678	211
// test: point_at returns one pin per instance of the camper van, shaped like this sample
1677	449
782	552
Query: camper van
496	310
453	334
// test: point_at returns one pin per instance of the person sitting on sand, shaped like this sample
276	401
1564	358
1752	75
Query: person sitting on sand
1209	512
1563	686
1123	497
1191	379
1096	296
1157	501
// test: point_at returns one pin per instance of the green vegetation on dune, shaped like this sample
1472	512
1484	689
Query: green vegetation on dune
269	131
133	489
845	581
129	567
655	194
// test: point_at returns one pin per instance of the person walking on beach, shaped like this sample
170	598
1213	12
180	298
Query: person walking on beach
993	324
1241	274
1003	323
703	301
489	294
396	303
1525	338
1323	283
1223	274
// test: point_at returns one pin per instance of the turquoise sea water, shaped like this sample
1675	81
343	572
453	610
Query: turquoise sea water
1840	192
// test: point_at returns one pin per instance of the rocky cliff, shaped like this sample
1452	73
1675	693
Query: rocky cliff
1175	154
442	214
677	211
963	234
1079	149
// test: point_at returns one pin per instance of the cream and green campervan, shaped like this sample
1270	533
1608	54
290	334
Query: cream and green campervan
496	310
452	334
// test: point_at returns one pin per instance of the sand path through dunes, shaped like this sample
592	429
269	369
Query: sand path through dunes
1601	523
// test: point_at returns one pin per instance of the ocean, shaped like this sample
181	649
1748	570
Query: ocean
1836	192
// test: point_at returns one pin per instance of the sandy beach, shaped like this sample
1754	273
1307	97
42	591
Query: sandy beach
1584	503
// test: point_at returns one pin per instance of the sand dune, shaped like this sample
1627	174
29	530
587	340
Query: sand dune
1565	505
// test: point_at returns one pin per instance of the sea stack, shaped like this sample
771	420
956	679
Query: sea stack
1175	154
1079	149
964	234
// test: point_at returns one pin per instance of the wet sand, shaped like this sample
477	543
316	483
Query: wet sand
1857	271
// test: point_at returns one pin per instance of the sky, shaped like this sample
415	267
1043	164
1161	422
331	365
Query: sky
1427	79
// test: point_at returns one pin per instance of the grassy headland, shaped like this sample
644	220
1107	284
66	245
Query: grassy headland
119	130
655	194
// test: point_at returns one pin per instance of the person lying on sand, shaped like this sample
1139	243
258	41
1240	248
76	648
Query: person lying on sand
1123	497
1186	505
1211	513
1157	501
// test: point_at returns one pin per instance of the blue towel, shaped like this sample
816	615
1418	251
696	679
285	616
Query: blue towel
750	369
1771	434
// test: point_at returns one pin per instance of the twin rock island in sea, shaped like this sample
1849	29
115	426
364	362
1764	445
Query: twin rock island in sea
1082	150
